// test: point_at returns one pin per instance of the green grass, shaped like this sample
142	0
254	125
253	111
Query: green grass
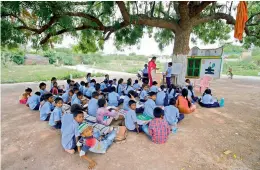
244	68
32	73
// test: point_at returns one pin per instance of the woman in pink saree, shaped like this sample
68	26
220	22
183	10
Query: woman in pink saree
151	70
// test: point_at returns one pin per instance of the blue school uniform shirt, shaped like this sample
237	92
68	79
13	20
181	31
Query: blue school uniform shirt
45	110
33	101
113	98
103	86
90	91
171	113
143	95
69	131
88	79
145	71
74	96
207	99
126	103
169	72
81	88
55	116
154	89
67	88
43	92
85	89
93	107
136	86
128	88
120	88
160	98
76	101
65	97
171	94
149	106
130	119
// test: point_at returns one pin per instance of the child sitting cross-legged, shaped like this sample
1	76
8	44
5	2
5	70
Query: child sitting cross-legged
93	142
172	114
25	96
113	97
66	97
154	87
158	129
162	97
34	101
47	107
105	116
55	117
144	93
149	105
93	104
207	100
69	128
43	90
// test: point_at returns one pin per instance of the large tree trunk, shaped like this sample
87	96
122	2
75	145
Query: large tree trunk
180	52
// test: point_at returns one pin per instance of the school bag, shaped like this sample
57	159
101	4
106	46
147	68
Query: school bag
121	134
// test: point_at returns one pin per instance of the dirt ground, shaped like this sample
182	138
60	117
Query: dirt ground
203	136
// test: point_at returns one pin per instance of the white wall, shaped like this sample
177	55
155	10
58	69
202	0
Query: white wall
205	64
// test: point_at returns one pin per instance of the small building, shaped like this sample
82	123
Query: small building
204	62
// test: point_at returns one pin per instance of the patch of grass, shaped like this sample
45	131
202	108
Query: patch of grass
244	68
32	73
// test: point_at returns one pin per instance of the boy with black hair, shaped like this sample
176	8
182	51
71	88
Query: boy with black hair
67	87
91	89
42	87
69	128
169	74
128	97
154	87
78	99
66	97
160	97
144	93
171	113
113	97
74	96
93	104
131	119
149	105
55	117
47	107
103	86
158	129
81	87
85	89
33	102
136	85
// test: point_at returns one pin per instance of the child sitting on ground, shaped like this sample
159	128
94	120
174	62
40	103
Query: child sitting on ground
183	103
131	119
171	92
144	93
69	129
93	142
149	105
91	89
109	86
74	96
34	101
78	99
25	96
113	97
103	86
120	87
114	83
207	100
81	87
66	97
53	79
47	107
54	89
88	77
85	89
93	104
106	77
188	82
67	87
136	86
55	117
130	96
158	129
128	86
162	97
172	114
191	95
105	116
43	90
154	87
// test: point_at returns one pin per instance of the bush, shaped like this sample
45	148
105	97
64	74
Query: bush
18	59
51	56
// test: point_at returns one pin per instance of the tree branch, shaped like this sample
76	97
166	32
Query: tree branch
199	8
252	16
148	21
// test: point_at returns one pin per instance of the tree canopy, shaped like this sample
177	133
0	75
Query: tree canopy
93	22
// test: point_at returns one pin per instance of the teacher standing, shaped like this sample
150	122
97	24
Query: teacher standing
152	70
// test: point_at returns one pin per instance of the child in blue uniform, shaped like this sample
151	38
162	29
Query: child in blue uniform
207	100
66	97
47	107
67	87
43	90
144	93
103	86
93	104
154	87
131	119
130	96
88	77
113	97
74	96
85	89
55	117
136	85
172	114
69	129
162	97
168	74
120	87
81	87
191	94
128	86
78	99
91	89
33	102
149	105
171	92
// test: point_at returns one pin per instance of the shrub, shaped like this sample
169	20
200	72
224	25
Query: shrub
18	59
51	56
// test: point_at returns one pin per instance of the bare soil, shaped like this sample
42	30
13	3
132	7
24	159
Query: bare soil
203	136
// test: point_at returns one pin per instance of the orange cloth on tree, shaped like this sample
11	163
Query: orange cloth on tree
241	19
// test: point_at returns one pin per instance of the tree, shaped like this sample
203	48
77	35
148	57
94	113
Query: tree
208	20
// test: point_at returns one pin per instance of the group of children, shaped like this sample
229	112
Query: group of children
161	107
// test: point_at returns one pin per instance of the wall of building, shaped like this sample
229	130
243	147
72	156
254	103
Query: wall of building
211	67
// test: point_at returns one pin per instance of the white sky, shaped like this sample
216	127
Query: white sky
148	46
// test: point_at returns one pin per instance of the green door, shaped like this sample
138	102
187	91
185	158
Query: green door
193	69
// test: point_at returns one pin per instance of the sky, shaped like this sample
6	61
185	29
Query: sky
148	46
